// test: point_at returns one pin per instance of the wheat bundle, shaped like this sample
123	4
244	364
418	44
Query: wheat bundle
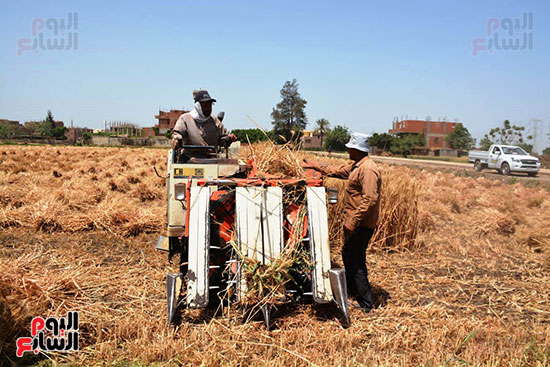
399	217
266	281
398	222
281	160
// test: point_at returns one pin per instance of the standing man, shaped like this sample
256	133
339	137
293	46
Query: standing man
199	127
361	210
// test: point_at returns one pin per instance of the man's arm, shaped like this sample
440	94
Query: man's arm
222	131
179	132
370	192
330	171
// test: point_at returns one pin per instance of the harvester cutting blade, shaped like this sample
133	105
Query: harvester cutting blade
266	312
173	287
340	291
162	244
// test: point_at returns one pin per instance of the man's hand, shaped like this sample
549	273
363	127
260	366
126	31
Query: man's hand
348	228
311	164
233	137
176	141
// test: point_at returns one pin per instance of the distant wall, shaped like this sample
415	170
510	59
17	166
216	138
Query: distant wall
158	141
446	153
36	141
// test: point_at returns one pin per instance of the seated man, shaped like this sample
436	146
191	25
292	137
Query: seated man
199	127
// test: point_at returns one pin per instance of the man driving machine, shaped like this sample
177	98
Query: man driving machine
199	127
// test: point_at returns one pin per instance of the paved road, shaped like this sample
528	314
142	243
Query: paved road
543	177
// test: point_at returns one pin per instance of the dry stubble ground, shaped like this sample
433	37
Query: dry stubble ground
77	227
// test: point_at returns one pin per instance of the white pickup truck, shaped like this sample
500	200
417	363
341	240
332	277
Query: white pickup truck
505	159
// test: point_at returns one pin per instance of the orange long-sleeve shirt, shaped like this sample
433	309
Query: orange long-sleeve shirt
362	196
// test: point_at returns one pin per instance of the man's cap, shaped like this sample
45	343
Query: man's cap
203	96
359	141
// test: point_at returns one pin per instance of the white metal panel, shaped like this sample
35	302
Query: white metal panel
320	249
272	223
247	227
199	247
259	225
248	219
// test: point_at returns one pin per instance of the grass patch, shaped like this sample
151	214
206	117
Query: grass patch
441	159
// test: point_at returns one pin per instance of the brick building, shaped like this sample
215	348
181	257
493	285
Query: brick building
167	120
75	133
434	131
147	131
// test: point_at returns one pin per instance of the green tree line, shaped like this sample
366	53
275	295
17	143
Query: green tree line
45	128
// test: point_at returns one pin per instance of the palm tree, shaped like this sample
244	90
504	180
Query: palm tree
322	127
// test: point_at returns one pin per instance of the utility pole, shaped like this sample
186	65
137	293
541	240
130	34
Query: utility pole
535	129
73	131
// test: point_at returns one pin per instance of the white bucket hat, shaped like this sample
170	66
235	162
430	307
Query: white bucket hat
359	141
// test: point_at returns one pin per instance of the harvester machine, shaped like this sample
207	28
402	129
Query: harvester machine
223	216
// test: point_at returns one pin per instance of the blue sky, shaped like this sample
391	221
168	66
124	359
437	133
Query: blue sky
358	63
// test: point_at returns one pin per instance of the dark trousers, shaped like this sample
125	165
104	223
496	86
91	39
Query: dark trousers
354	256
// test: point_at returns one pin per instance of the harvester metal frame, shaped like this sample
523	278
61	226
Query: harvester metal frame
193	186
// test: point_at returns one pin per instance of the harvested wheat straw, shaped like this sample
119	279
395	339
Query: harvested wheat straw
478	297
399	217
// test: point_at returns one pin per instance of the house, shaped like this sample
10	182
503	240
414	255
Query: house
311	139
167	120
435	132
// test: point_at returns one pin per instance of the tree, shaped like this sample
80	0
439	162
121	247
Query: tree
8	131
47	126
382	141
404	144
546	151
59	132
33	127
527	147
289	117
50	121
460	138
252	135
87	138
322	127
508	134
485	143
337	138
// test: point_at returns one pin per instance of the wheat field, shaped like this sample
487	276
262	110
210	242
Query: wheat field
459	268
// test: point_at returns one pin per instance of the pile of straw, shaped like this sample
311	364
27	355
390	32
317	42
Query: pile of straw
266	283
70	189
279	160
399	219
